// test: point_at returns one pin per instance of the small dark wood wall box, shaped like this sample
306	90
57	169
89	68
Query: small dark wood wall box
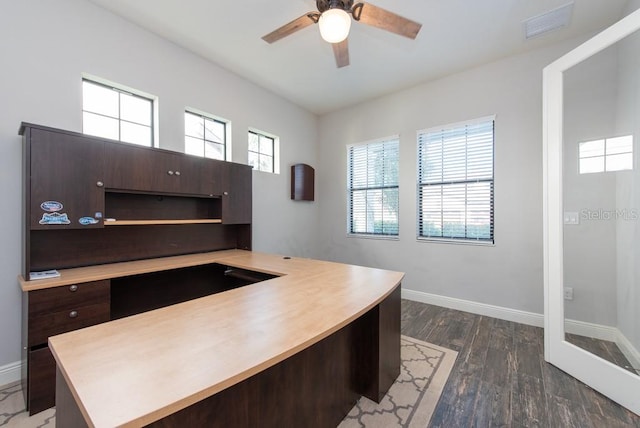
92	201
302	182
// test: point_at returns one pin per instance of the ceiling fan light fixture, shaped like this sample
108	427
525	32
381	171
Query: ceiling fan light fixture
334	25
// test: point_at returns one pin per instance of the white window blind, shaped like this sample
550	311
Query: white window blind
373	188
455	187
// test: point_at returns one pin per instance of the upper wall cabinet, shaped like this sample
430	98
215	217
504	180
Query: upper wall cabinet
159	171
236	193
65	182
133	202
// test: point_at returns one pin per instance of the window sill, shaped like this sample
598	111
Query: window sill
380	237
457	242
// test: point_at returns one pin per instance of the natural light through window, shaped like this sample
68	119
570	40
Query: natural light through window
373	188
116	114
606	155
261	152
204	136
455	182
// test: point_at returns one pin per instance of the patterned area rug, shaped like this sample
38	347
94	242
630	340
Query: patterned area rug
409	403
12	412
414	395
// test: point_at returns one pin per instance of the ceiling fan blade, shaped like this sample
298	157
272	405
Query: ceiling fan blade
341	52
381	18
293	26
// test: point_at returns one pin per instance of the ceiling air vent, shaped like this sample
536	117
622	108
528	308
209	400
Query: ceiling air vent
548	21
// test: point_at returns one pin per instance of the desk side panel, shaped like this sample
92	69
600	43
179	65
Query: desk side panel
68	413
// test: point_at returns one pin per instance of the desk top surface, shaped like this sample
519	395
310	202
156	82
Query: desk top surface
135	370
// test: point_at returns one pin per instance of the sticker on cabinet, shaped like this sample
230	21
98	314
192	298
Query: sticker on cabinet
51	206
54	218
85	221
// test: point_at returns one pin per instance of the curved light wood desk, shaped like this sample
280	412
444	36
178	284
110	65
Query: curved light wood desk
297	350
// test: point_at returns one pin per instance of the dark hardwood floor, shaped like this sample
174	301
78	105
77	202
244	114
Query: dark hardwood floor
605	350
500	378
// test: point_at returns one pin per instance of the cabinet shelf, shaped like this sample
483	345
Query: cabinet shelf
157	222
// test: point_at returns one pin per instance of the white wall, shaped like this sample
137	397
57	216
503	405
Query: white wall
46	45
508	274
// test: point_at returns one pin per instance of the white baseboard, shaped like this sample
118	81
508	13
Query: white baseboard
500	312
10	373
629	351
597	331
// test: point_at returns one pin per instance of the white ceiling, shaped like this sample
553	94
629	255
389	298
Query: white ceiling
455	35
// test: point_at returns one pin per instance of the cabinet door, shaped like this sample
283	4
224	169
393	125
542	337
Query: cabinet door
236	194
157	171
139	168
41	380
212	176
66	190
196	176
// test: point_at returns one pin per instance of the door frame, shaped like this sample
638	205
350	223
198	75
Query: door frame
607	378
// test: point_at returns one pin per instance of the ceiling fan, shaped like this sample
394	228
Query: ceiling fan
334	21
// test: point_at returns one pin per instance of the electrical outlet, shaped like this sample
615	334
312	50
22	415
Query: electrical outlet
568	293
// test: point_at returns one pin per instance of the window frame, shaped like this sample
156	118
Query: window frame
466	240
350	189
121	89
207	117
274	151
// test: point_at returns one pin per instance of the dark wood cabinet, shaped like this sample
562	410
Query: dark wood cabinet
146	202
61	309
92	201
66	176
54	311
41	381
302	182
236	194
132	168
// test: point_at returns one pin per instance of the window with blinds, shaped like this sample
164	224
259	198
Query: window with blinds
455	182
373	188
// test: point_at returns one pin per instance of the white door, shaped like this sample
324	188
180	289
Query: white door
591	111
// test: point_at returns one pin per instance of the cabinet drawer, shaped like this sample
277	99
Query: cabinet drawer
42	380
68	297
43	326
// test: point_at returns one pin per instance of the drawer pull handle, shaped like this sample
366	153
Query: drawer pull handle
73	314
100	184
177	172
73	288
170	172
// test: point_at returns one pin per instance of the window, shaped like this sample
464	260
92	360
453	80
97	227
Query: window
205	136
373	188
455	187
117	114
610	154
261	152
